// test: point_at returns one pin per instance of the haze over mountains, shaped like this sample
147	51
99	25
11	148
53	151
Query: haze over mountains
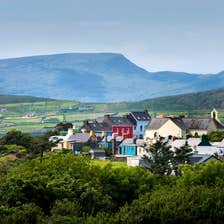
96	77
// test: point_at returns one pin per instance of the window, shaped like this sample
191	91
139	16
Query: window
140	127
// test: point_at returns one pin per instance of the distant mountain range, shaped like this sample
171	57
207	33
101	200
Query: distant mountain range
96	77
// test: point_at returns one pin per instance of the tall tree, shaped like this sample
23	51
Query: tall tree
160	158
182	156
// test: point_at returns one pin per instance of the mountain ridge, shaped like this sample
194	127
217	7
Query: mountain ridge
96	77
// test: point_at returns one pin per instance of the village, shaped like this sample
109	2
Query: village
127	138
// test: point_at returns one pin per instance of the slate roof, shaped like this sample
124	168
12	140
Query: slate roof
120	121
96	126
218	124
156	123
141	115
79	137
200	158
131	141
197	124
185	123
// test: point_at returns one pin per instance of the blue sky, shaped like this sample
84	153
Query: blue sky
177	35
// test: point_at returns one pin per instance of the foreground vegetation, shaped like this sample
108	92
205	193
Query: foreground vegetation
64	188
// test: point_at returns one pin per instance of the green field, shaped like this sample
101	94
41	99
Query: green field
30	115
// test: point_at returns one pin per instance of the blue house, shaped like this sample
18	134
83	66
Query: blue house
128	147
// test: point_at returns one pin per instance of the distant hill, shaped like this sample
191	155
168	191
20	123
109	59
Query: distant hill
8	99
184	102
96	77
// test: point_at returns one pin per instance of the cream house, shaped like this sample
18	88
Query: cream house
180	127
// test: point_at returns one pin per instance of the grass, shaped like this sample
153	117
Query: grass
103	163
15	112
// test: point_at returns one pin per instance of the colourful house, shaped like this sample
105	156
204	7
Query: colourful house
121	126
128	147
100	128
140	119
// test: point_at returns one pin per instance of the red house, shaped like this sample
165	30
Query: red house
121	126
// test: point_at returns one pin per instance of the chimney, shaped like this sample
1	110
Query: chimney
92	133
106	117
70	132
125	116
104	134
83	130
85	122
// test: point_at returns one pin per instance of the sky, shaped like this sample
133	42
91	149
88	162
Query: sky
158	35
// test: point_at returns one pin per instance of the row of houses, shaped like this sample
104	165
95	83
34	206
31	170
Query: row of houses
128	135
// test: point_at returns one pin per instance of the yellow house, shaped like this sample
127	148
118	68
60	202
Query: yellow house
180	127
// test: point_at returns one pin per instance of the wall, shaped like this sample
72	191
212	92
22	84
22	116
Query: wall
169	128
138	131
200	132
128	150
120	130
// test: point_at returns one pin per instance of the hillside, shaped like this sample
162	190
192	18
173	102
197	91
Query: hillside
96	77
47	113
192	101
8	99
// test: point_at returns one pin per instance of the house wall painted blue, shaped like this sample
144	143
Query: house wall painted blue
100	133
130	150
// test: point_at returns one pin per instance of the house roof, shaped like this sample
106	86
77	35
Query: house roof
120	121
185	123
141	115
200	158
118	138
193	141
197	124
79	137
96	126
156	123
133	142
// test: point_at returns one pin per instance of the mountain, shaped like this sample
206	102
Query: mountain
96	77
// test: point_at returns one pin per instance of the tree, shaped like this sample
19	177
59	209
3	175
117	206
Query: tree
15	137
40	145
160	158
181	156
63	126
216	136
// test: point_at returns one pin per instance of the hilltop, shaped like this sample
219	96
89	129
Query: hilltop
191	101
96	77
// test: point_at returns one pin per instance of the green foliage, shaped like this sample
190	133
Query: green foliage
159	158
15	137
63	126
3	149
17	141
216	136
86	148
23	214
182	154
65	188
